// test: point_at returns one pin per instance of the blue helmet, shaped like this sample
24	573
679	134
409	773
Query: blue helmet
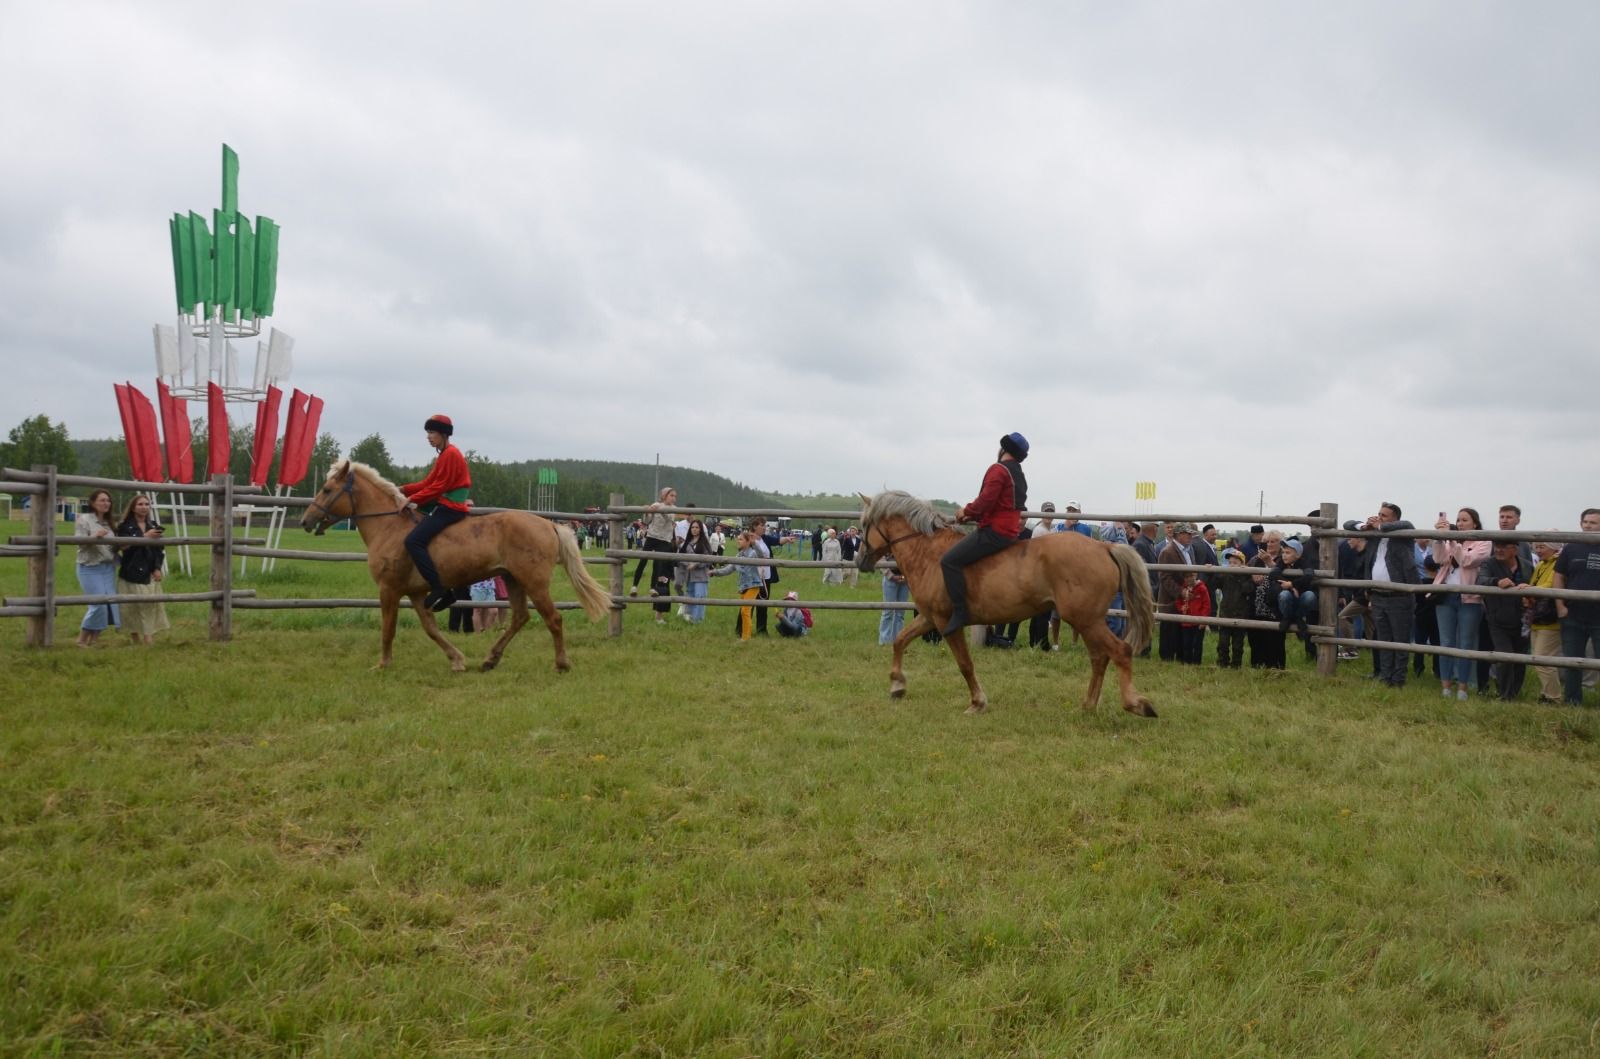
1015	444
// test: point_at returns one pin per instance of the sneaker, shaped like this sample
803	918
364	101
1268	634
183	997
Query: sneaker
1446	693
1348	656
634	591
1461	694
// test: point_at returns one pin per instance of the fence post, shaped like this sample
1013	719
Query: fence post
615	538
222	556
1328	595
42	567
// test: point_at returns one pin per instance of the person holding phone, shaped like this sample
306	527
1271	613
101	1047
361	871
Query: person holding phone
1460	614
140	571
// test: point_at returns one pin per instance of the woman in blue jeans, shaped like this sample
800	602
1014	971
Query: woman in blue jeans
1459	613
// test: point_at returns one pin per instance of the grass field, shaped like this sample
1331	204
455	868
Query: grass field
691	846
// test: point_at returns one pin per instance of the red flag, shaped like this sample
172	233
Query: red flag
175	428
266	436
219	442
292	471
293	431
149	436
130	431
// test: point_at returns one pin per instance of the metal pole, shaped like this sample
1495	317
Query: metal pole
618	567
1327	595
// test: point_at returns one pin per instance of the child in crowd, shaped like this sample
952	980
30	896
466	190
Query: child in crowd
1194	600
1237	602
793	621
750	580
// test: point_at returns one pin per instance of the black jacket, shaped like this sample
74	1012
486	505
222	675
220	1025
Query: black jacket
1401	554
1505	611
137	564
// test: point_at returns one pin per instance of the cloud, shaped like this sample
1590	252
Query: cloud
1313	254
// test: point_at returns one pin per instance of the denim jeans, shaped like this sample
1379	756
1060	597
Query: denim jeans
1294	609
1458	627
696	612
890	622
99	579
1576	635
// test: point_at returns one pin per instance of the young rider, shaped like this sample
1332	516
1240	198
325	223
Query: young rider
442	497
997	512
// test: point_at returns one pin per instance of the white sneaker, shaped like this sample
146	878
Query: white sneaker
1446	693
634	591
1461	694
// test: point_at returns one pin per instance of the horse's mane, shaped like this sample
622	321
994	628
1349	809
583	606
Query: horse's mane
362	470
922	516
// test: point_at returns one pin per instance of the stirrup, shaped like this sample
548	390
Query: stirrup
439	599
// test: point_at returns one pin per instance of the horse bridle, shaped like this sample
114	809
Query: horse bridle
330	516
874	554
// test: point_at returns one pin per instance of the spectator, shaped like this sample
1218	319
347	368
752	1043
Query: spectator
97	567
832	552
752	584
1353	605
890	622
1425	616
1178	552
1266	645
1071	523
793	621
817	537
680	583
658	537
141	570
1237	602
1544	626
1505	569
483	618
1044	628
1194	601
696	571
1510	519
765	542
1459	614
1392	561
849	544
1252	544
1205	554
1292	581
719	540
1578	568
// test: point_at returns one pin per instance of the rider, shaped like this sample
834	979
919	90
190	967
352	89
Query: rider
1003	497
442	496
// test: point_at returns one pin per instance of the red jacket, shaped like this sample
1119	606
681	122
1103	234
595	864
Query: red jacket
996	506
1198	604
446	485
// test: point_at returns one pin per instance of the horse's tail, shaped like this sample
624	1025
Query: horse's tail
594	599
1136	598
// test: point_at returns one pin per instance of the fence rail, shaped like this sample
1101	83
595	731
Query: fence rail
42	484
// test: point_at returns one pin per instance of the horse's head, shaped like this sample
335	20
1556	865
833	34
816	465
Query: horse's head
334	502
891	517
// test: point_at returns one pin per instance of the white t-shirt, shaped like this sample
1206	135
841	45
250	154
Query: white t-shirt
1380	561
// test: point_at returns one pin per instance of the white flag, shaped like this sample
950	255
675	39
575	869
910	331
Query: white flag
188	351
167	364
219	350
261	366
280	356
232	376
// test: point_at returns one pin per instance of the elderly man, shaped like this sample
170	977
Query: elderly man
1578	568
1505	568
1179	551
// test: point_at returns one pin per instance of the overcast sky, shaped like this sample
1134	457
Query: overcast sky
1338	252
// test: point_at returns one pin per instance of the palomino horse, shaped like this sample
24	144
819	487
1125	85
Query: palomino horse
520	546
1075	574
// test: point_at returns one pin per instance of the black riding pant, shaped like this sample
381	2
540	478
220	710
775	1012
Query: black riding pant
433	523
980	544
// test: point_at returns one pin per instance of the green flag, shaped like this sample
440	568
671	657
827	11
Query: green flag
266	265
201	239
244	269
222	289
230	180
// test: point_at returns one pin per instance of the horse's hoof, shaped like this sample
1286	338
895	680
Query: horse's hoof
897	693
1141	707
563	666
489	664
458	666
977	707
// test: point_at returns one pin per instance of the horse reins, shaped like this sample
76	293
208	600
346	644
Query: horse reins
330	516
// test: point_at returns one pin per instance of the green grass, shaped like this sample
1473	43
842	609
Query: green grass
691	846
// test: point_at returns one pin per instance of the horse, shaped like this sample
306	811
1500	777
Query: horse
1077	575
518	545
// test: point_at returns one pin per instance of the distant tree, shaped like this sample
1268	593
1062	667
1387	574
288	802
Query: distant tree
372	451
324	454
37	440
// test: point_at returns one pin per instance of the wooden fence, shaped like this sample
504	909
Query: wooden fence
42	484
